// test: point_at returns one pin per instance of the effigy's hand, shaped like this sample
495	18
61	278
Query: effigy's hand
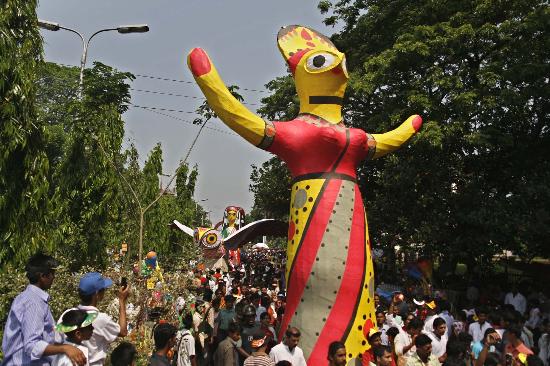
392	140
199	63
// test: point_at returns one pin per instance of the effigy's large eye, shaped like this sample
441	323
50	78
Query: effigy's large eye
320	62
211	239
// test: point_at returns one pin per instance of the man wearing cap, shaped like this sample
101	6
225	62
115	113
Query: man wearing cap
375	340
431	314
91	290
259	357
29	331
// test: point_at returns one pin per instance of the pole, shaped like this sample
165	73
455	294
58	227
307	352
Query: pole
84	57
141	212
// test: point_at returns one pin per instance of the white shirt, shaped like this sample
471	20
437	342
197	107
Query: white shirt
429	324
518	301
449	320
106	331
384	337
403	339
186	347
63	360
281	352
477	331
439	345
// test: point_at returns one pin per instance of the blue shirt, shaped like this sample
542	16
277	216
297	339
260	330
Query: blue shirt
477	347
29	329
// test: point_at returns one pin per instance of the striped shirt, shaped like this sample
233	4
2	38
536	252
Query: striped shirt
259	359
29	329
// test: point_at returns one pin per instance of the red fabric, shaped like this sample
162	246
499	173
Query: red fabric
199	62
316	147
307	148
368	356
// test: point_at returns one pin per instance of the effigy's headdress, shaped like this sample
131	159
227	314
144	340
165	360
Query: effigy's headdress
295	41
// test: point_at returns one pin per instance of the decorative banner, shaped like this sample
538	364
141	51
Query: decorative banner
330	280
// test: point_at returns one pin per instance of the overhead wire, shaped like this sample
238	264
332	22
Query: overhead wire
160	110
178	95
181	119
171	80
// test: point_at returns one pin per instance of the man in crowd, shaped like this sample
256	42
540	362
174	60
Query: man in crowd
185	344
249	327
258	355
516	299
91	290
423	355
514	344
225	317
288	350
165	338
375	340
226	353
477	329
404	341
444	307
382	356
268	330
29	331
382	326
439	338
431	314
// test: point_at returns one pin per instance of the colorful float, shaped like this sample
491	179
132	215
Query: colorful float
221	244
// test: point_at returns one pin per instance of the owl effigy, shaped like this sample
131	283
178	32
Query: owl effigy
329	271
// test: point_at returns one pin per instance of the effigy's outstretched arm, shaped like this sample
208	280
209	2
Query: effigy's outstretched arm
392	140
232	112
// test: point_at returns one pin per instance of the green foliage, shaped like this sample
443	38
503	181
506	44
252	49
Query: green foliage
474	181
23	161
283	104
271	188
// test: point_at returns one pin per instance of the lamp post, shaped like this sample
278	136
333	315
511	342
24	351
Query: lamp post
123	29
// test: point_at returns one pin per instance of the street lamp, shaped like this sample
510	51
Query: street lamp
123	29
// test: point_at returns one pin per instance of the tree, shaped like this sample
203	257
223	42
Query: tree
474	181
24	202
87	189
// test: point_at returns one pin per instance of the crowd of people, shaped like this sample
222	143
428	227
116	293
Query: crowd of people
233	318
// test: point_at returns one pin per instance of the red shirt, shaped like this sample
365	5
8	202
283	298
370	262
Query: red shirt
368	357
515	351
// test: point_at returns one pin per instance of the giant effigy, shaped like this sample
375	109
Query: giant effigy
329	270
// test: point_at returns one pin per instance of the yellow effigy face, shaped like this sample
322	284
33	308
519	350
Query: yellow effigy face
231	217
319	70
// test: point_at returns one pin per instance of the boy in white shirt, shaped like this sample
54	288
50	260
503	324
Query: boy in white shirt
77	326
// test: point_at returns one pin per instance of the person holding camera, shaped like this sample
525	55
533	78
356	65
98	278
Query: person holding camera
91	290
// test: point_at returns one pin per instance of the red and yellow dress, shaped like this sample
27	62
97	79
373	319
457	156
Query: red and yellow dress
329	266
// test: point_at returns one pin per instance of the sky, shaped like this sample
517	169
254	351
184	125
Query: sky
239	36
